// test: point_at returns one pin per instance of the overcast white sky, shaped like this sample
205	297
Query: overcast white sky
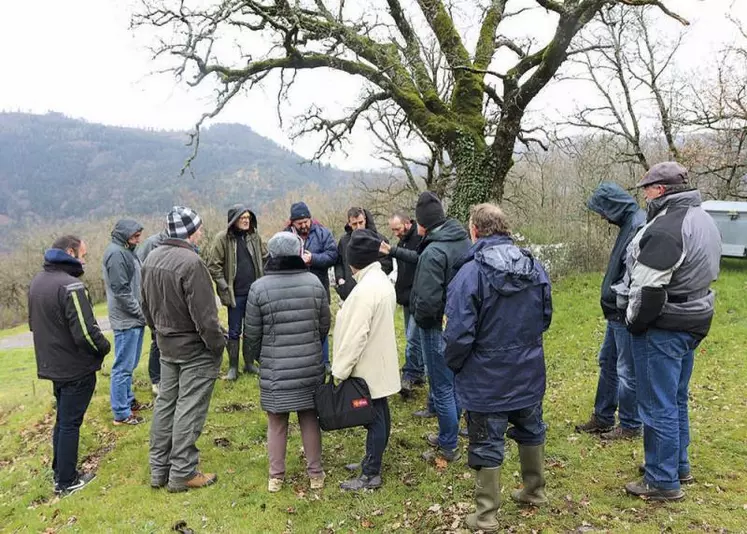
79	57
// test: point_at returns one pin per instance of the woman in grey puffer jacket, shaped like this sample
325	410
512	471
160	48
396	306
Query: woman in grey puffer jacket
287	316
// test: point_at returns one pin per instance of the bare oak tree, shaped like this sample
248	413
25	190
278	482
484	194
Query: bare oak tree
628	66
383	44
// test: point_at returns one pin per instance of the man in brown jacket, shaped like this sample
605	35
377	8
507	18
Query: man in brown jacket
179	304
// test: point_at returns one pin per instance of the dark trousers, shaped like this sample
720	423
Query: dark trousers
487	433
377	438
236	317
72	398
154	360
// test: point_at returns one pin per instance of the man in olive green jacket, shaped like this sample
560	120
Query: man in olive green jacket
235	261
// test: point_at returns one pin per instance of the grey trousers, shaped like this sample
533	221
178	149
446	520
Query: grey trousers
179	416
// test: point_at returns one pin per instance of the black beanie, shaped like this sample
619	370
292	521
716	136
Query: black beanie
429	212
363	248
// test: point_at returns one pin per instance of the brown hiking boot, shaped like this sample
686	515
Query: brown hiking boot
640	489
619	433
200	480
593	426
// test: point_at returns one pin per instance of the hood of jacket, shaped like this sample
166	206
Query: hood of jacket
613	203
124	230
55	258
370	224
451	230
507	268
235	211
676	199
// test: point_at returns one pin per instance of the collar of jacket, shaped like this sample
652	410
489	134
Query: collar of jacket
58	260
363	272
286	264
181	243
687	198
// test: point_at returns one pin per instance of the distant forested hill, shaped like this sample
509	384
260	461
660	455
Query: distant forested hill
55	166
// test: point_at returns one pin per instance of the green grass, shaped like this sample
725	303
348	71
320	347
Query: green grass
585	477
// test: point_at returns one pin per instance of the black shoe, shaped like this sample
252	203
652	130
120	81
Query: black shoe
252	369
362	483
594	426
686	478
80	482
620	433
425	414
418	382
639	488
405	389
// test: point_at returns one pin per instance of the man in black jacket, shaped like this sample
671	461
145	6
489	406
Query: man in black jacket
69	349
406	230
444	242
358	219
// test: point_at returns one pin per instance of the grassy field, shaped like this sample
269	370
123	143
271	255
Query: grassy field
585	477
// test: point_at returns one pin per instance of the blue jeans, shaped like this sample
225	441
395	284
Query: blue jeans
441	380
325	350
663	366
487	430
73	398
413	369
236	317
616	386
377	438
128	344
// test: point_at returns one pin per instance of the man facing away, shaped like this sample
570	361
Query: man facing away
498	306
413	372
672	261
320	252
616	385
121	269
358	219
236	261
444	242
69	348
154	359
179	304
366	347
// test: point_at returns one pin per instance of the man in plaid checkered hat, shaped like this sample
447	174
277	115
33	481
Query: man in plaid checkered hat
179	304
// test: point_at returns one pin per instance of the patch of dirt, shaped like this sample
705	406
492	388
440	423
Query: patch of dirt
236	407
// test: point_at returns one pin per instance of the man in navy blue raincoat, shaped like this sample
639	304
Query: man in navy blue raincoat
498	305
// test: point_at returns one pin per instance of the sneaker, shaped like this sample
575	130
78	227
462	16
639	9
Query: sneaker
425	414
132	420
274	485
80	482
317	482
200	480
154	388
137	406
641	489
441	454
594	426
685	478
619	433
363	482
432	440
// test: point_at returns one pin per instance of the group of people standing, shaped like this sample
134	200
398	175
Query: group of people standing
475	309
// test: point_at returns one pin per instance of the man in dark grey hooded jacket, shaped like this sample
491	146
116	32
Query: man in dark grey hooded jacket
616	386
121	268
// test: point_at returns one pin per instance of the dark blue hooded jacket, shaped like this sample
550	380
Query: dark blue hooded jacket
497	307
614	204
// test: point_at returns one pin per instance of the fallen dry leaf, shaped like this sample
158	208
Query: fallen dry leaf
367	524
441	464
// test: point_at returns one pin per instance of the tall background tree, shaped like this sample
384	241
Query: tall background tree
476	120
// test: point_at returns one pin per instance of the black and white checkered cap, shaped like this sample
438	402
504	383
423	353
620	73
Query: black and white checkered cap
182	222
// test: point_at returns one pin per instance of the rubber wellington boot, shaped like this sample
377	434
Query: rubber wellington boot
487	500
233	359
532	460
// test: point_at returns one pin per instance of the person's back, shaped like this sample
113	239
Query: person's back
503	367
287	317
